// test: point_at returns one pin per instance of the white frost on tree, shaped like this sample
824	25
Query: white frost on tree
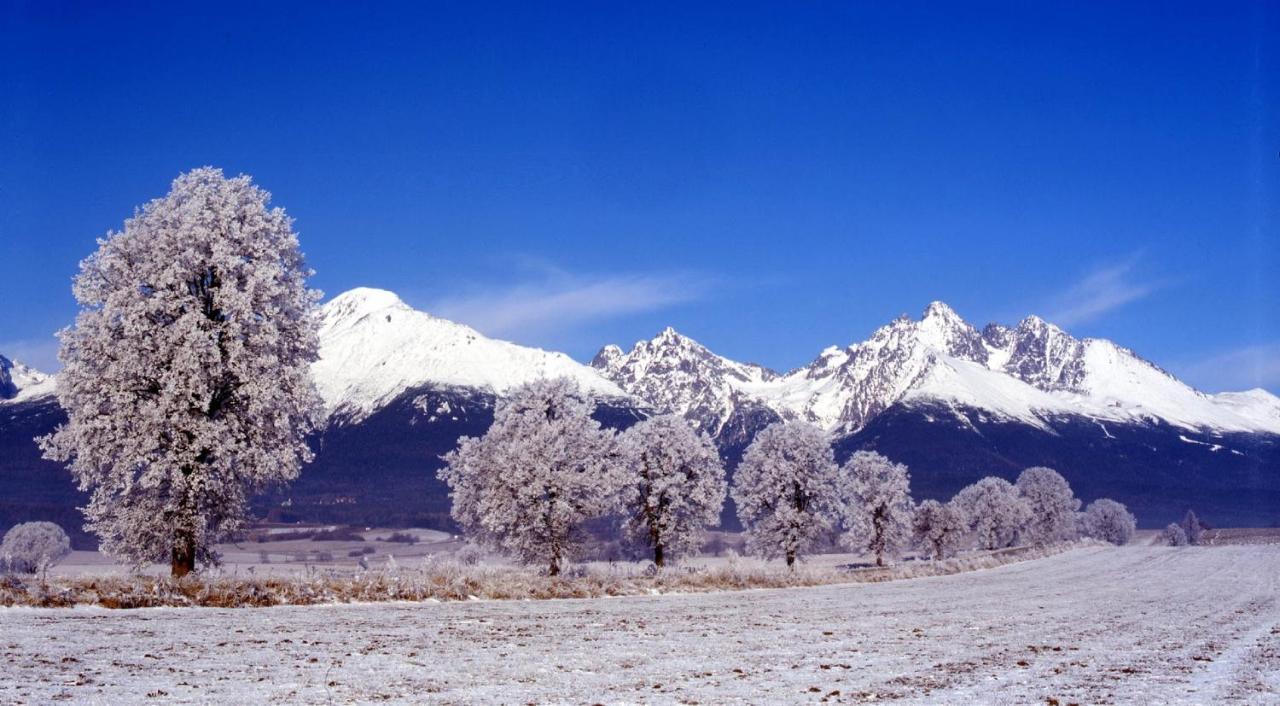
186	377
995	512
1109	521
786	489
673	485
1174	535
938	527
876	505
543	469
34	547
1053	505
1192	527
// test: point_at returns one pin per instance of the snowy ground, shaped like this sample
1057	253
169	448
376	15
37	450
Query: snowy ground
1097	625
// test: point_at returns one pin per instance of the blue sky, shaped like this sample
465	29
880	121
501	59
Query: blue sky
769	179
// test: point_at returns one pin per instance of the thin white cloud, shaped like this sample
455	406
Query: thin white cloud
1242	368
555	302
1100	291
39	353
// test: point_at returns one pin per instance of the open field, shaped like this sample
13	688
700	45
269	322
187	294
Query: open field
1094	625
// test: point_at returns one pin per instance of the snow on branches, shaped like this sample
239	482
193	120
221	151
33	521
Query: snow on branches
186	376
673	485
876	504
1109	521
1053	505
543	469
786	489
938	528
996	513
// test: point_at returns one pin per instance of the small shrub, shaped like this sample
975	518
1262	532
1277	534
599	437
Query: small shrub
1175	536
469	555
402	538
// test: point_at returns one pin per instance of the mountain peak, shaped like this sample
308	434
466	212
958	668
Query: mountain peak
940	310
373	347
362	301
670	334
20	382
608	358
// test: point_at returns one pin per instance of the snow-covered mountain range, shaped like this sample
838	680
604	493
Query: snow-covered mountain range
374	347
952	401
1028	373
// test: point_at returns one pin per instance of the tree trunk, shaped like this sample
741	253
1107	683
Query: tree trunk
183	560
658	559
879	558
791	559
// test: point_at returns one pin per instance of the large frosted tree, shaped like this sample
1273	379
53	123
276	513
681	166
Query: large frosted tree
876	504
996	513
673	485
543	469
1053	505
186	376
786	489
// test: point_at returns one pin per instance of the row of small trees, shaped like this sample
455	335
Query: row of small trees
546	469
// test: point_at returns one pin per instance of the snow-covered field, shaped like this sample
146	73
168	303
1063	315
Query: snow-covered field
1094	625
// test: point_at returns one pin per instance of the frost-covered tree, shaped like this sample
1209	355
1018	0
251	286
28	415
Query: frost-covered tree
876	504
1192	527
787	490
995	512
1109	521
1174	535
186	377
33	547
938	528
1053	505
543	469
673	486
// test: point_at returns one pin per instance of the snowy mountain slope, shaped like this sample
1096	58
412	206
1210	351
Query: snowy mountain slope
19	382
373	347
1029	373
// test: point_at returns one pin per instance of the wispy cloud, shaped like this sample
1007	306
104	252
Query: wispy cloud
1241	368
552	301
39	353
1100	291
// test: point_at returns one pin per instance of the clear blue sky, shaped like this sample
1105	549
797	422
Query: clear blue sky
769	179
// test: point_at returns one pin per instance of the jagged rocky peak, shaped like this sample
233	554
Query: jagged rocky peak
1045	356
942	328
608	359
671	352
997	336
674	373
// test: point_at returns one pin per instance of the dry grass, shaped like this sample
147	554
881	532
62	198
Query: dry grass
449	580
